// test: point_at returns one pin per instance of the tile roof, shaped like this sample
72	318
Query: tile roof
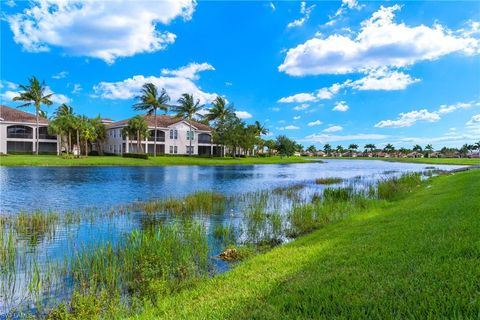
14	115
163	121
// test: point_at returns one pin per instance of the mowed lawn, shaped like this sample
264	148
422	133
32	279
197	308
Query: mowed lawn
52	160
416	258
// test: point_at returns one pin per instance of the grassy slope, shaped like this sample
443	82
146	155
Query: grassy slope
43	160
417	258
456	161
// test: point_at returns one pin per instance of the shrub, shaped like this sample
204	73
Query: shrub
135	155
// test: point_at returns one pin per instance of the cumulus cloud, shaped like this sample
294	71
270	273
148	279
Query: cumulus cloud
474	121
77	88
301	107
297	117
60	75
243	114
340	106
408	119
380	42
314	123
175	86
333	129
189	71
289	127
298	98
326	138
305	11
383	79
7	96
329	92
106	30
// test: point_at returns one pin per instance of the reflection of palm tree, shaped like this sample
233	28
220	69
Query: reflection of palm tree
150	101
188	109
34	93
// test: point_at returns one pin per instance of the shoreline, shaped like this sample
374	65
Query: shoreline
116	161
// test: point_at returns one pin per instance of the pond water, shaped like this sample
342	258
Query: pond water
64	188
97	190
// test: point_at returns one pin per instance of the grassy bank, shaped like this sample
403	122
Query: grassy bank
51	160
411	258
454	161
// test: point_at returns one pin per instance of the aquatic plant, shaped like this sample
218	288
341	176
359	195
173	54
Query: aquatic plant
332	180
398	187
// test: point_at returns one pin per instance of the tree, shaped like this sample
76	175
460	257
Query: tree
151	101
417	148
476	145
188	109
327	149
219	113
340	149
270	144
464	150
137	126
62	124
428	149
389	148
370	147
34	93
285	146
87	132
352	147
312	149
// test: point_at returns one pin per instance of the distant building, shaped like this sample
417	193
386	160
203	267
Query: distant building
173	137
18	133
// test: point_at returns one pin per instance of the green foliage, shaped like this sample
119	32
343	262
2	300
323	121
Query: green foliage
331	180
398	187
135	155
285	146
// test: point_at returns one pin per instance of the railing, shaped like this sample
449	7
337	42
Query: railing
159	139
20	135
47	136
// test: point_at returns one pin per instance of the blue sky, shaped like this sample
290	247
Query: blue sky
319	72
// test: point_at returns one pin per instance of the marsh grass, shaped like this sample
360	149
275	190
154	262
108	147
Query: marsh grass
332	180
398	187
226	234
290	191
36	226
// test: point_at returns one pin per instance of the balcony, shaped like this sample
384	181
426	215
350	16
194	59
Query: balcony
204	138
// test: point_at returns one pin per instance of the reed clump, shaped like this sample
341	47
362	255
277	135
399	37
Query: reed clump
328	180
397	187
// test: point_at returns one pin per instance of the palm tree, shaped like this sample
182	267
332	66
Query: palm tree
428	149
137	125
477	146
370	146
34	93
188	109
389	148
327	149
417	148
219	111
352	147
64	123
150	101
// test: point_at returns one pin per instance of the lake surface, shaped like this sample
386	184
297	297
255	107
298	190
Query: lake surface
65	188
99	195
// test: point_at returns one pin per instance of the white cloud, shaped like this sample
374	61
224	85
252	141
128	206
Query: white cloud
340	106
298	98
301	107
106	30
58	98
407	119
305	11
275	109
381	42
228	84
314	123
243	114
325	138
383	79
76	88
10	3
289	127
297	117
272	6
328	93
60	75
460	105
129	88
8	84
474	121
7	96
333	129
189	71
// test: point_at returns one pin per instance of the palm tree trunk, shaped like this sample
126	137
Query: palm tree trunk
155	142
191	135
86	148
37	143
78	141
69	147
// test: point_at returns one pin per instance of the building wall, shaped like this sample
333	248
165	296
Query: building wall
46	144
178	142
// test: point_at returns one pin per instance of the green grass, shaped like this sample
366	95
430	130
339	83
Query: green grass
51	160
417	258
331	180
454	161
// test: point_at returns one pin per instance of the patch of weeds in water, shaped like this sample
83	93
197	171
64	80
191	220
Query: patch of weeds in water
36	226
398	187
226	234
291	191
331	180
338	194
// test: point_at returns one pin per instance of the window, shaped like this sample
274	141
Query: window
176	149
43	134
171	134
171	149
176	134
189	150
190	135
21	132
19	146
204	138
